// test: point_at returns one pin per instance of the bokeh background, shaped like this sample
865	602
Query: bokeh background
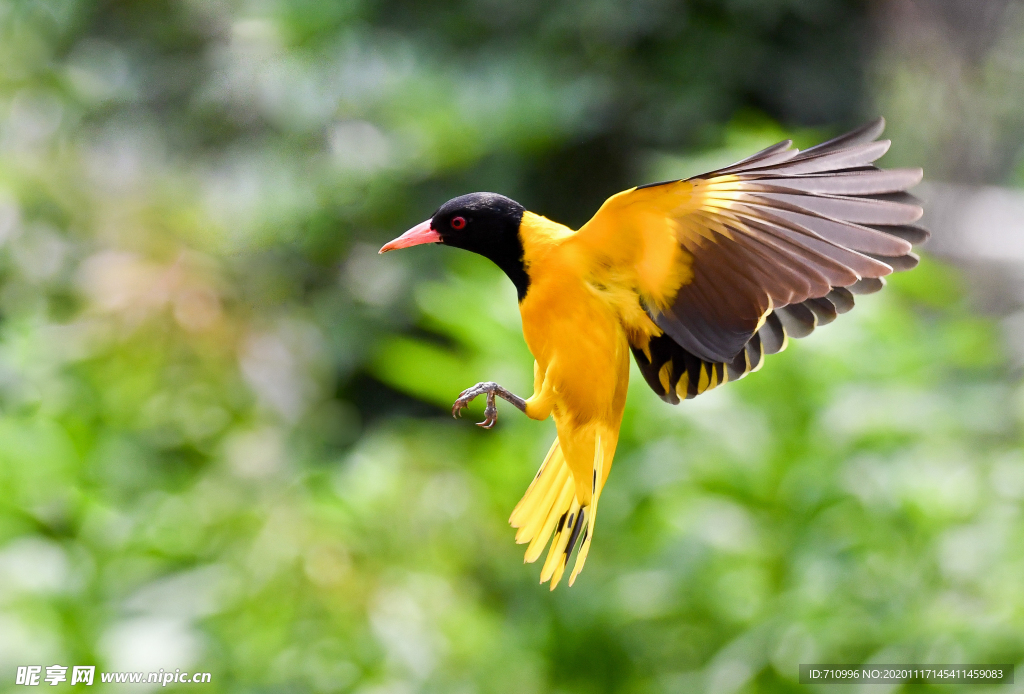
224	433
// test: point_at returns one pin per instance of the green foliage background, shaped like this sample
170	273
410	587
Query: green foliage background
224	439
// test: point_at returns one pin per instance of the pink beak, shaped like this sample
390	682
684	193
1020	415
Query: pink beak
421	233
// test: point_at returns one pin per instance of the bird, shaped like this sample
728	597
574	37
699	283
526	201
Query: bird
699	279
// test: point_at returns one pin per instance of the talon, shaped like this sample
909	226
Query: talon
459	406
490	413
490	389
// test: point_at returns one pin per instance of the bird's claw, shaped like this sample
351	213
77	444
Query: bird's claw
490	413
465	397
469	394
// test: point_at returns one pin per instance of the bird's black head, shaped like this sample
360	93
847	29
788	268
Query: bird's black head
485	223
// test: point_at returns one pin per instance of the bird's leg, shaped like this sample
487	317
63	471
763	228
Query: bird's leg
491	389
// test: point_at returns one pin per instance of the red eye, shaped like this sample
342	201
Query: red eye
458	223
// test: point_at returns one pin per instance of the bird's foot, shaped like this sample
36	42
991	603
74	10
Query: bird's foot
490	389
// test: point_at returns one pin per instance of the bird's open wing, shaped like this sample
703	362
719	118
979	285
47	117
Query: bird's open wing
730	263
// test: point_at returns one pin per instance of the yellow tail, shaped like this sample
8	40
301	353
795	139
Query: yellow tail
550	506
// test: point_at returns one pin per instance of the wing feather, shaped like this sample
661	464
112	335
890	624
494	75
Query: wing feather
841	298
830	160
777	153
865	182
797	319
865	133
848	209
773	335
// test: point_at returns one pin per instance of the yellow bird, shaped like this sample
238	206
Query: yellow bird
698	278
